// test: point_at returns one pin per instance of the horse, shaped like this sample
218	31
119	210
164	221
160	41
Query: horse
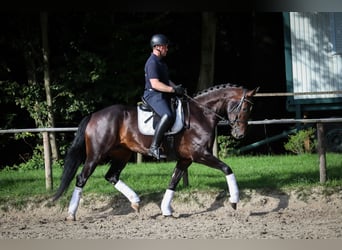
111	134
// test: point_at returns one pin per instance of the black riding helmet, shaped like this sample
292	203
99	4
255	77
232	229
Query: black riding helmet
159	39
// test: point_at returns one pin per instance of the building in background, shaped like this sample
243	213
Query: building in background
313	61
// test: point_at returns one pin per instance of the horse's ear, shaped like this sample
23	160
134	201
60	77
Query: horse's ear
253	92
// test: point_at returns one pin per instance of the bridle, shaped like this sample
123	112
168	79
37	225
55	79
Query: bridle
235	109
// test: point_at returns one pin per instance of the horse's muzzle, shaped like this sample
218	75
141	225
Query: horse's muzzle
237	134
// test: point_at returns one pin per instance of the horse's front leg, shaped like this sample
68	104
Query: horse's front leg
211	161
178	172
113	176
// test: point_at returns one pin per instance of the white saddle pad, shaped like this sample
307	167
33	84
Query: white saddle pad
145	120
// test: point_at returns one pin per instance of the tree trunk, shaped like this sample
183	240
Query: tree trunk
206	76
45	50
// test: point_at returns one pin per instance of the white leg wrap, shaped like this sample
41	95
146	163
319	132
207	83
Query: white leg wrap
233	188
166	202
127	191
75	200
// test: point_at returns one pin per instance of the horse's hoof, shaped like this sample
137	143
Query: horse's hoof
70	217
136	207
169	216
234	205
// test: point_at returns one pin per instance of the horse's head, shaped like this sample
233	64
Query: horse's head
238	110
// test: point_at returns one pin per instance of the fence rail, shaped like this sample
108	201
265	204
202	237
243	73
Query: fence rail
285	121
37	130
260	122
298	93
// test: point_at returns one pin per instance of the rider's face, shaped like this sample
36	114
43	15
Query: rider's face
163	49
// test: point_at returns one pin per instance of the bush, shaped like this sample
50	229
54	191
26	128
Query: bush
302	142
227	145
35	162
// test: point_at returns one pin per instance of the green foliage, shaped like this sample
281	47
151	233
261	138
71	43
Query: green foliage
29	97
23	135
70	102
36	161
302	142
227	145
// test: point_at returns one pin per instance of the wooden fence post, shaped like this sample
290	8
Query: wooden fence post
47	161
321	153
215	146
139	158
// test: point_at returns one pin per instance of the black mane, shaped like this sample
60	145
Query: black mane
215	88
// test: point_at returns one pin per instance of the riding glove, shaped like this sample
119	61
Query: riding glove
179	90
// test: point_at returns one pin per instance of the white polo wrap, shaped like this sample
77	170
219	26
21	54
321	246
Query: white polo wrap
166	202
233	188
127	192
75	200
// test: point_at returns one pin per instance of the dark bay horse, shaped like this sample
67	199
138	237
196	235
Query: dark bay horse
112	134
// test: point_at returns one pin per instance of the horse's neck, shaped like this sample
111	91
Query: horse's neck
208	110
212	101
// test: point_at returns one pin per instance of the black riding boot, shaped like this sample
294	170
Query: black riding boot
161	128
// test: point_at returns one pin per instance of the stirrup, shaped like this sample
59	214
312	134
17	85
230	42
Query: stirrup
155	152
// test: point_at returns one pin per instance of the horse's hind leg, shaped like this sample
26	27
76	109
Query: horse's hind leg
81	180
113	176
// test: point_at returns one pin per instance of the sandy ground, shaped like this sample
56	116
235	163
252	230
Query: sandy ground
297	214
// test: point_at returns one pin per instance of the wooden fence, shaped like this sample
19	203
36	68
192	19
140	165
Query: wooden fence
320	137
46	147
318	122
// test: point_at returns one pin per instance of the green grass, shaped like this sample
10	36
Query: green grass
151	179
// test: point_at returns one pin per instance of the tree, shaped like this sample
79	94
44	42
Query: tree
208	40
46	68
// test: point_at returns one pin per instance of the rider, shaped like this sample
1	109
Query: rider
159	89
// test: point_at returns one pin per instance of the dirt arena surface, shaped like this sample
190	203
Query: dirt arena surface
297	214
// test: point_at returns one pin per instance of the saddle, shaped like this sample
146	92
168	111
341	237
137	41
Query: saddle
147	118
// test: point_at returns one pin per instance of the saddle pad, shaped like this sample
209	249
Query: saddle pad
145	120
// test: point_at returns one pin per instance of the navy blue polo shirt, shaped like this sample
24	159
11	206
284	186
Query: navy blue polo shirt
155	67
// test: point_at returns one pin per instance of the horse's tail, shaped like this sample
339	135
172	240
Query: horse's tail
75	156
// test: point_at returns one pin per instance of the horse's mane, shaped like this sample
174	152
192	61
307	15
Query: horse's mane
215	88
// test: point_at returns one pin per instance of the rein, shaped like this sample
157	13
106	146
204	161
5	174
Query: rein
206	109
237	108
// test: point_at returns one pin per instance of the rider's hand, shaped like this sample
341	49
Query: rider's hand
179	90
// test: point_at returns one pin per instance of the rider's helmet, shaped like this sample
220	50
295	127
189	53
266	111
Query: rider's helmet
159	39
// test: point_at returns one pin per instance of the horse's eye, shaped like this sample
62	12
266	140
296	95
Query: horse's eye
247	109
